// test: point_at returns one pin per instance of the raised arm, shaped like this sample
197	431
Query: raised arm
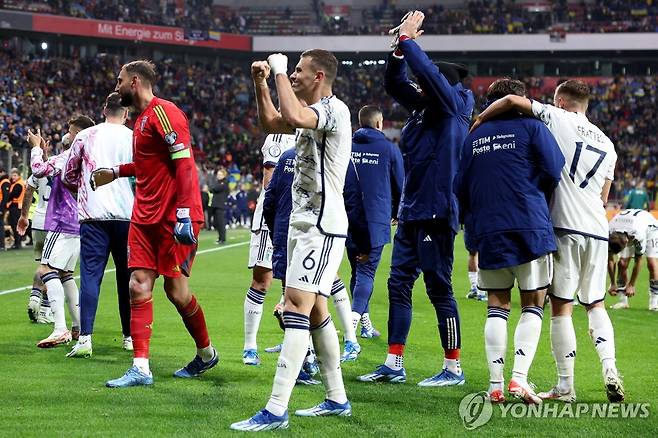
293	112
501	106
398	85
270	119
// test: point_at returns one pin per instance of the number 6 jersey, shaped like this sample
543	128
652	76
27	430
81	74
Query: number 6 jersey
590	158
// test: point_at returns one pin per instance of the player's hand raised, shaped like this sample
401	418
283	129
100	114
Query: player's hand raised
278	63
101	176
260	71
411	25
34	139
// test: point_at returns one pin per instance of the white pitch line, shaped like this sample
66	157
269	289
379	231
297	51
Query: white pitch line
205	251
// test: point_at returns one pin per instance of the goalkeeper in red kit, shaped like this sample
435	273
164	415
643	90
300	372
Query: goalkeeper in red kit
165	223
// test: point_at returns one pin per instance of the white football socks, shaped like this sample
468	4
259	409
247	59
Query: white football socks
603	336
143	364
563	343
253	312
343	309
355	321
473	279
56	298
291	359
526	338
365	321
206	354
495	345
327	348
394	361
72	299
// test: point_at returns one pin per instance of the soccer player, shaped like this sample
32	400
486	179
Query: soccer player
318	225
61	247
38	307
260	250
581	226
379	166
509	169
165	223
633	234
441	109
104	217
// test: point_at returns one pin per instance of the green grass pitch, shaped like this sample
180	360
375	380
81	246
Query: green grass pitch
42	393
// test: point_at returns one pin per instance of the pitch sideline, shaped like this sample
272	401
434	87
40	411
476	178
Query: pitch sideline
232	245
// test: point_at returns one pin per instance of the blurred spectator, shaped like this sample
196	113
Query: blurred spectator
219	189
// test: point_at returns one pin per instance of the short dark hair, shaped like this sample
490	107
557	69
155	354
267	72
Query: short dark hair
368	115
325	61
113	104
82	122
574	89
616	242
504	86
144	69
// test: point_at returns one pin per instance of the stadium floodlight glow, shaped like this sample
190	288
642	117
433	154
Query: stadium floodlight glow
44	46
336	17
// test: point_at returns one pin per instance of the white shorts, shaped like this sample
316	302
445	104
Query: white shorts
531	276
580	268
61	251
260	250
313	260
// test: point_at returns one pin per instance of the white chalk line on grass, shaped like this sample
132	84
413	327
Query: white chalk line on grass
205	251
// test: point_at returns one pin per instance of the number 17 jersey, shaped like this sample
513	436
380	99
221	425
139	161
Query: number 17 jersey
590	158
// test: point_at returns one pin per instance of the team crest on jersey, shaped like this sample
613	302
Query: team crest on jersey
171	137
274	150
141	127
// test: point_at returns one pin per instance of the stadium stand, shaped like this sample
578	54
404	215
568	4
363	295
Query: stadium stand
45	92
472	17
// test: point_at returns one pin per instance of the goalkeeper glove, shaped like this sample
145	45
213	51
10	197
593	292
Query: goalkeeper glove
183	231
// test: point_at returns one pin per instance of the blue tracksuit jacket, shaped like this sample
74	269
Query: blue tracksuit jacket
381	174
432	137
508	171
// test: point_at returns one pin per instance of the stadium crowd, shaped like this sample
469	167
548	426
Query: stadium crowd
472	17
224	127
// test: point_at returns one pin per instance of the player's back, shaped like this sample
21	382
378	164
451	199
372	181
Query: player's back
590	157
105	145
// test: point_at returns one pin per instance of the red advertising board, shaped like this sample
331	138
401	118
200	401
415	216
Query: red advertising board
135	32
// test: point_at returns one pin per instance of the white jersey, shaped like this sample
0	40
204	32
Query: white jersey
635	223
104	145
42	187
320	167
273	147
590	156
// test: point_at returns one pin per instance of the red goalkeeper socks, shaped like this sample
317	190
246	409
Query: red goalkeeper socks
141	323
195	322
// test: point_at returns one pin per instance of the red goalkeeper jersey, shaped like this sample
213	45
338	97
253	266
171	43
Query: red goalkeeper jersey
163	165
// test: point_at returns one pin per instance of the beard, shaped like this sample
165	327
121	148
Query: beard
126	100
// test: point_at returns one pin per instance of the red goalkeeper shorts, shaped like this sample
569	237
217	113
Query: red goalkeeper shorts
152	246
